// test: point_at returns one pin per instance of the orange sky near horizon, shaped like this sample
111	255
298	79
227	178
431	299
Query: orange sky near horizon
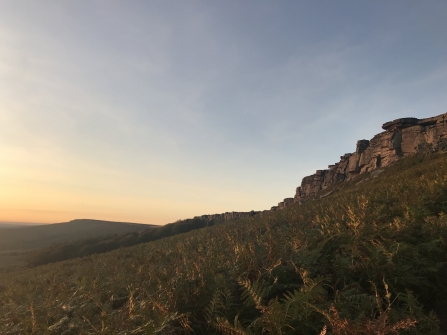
43	203
38	187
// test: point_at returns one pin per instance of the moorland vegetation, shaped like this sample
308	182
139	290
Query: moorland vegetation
368	259
57	252
16	244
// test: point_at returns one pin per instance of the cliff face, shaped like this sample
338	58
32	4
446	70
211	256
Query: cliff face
401	138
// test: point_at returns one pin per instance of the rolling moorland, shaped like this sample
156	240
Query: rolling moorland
17	242
84	247
368	259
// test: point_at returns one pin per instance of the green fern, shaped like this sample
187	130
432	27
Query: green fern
214	307
253	293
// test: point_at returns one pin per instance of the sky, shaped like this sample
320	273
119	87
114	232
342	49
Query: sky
154	111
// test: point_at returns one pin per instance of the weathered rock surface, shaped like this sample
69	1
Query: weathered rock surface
401	138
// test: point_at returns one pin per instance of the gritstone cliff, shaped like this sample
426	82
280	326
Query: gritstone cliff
400	138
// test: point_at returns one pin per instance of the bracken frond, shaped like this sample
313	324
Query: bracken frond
252	293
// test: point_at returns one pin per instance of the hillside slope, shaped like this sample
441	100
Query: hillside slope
370	258
16	241
5	225
85	247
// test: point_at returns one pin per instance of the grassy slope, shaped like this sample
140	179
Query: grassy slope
14	242
369	259
85	247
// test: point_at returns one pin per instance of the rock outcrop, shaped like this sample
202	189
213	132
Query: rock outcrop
226	216
401	138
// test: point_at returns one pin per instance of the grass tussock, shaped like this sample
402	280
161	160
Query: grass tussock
368	259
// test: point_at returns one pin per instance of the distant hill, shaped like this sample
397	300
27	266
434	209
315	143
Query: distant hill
80	248
14	242
31	237
6	225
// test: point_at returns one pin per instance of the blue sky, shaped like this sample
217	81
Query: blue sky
153	111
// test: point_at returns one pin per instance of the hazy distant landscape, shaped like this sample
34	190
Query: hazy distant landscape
17	242
17	224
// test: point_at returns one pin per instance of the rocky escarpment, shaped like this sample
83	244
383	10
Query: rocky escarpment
400	138
226	216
